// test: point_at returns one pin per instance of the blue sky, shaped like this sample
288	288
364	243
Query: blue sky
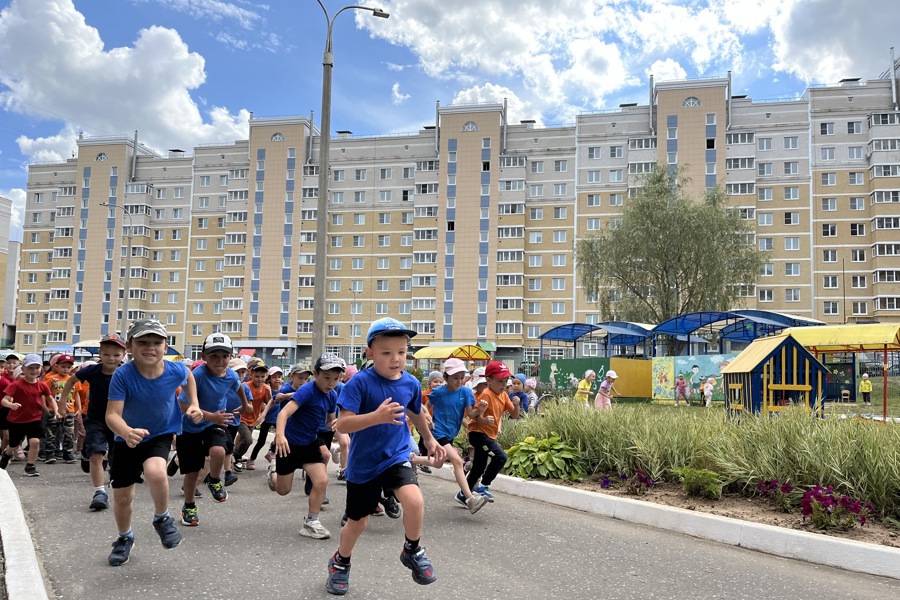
189	72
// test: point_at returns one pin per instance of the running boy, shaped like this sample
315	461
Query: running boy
144	414
484	428
208	437
98	437
261	394
374	406
450	402
27	399
297	442
59	436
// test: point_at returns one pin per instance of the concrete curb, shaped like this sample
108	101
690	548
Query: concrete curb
24	580
809	547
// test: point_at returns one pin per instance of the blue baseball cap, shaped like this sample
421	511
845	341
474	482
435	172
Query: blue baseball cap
384	326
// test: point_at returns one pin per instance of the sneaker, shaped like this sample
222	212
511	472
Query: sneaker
69	458
172	467
270	456
325	501
338	582
342	476
189	516
100	501
251	465
31	471
425	468
51	459
20	454
237	465
378	512
270	476
422	569
484	491
475	502
230	478
461	498
168	534
217	489
307	486
391	506
314	529
4	460
85	464
121	548
336	454
344	520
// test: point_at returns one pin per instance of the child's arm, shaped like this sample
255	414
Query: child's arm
190	391
475	412
282	448
421	423
514	413
118	425
10	403
52	406
329	420
68	390
245	404
388	412
268	405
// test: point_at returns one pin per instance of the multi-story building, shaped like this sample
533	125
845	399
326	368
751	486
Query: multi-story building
465	229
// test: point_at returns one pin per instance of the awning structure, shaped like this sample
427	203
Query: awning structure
488	346
247	352
875	337
610	333
464	352
278	352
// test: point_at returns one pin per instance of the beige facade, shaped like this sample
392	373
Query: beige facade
463	230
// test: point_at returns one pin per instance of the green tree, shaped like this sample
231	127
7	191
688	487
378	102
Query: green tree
670	254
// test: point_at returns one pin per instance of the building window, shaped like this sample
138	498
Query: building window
830	308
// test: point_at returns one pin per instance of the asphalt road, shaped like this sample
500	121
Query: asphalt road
249	548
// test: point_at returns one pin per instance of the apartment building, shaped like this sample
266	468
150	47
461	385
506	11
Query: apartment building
465	229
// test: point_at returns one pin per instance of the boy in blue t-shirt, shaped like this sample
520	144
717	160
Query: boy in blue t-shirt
297	441
144	414
98	437
450	402
374	407
208	437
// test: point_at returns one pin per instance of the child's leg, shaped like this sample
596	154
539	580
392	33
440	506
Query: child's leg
343	440
318	474
34	446
458	472
97	469
410	497
189	486
480	459
261	440
283	483
123	499
158	482
216	461
68	434
498	459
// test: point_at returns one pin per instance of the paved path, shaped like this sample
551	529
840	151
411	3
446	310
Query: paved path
249	548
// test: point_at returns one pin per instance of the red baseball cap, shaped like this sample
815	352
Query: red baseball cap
113	338
496	369
62	358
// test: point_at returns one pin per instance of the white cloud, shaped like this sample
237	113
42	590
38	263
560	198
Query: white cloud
17	195
396	97
395	67
492	93
214	10
53	64
666	70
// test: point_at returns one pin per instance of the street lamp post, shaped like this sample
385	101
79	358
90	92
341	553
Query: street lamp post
318	338
124	321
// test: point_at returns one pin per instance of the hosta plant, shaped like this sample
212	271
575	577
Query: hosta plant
545	458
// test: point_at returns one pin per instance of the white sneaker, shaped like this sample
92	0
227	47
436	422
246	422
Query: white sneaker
336	454
314	529
270	476
475	502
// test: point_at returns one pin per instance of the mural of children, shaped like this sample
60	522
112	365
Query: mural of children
696	380
681	390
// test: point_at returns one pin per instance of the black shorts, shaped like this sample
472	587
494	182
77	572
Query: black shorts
326	437
4	412
445	441
193	448
126	465
299	456
362	498
19	432
98	437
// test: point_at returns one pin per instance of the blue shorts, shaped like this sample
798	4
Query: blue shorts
98	437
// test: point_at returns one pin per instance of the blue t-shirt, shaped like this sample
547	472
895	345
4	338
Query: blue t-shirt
232	403
523	400
272	415
303	426
212	392
99	393
375	449
149	403
449	408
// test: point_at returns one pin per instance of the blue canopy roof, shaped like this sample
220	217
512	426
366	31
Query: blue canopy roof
734	325
568	332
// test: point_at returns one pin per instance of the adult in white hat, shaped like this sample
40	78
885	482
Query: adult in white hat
603	399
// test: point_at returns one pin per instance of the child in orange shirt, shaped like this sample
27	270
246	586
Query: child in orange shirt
483	429
261	393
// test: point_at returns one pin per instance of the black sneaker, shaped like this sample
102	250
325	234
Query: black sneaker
4	460
85	464
391	506
100	501
168	534
230	478
341	475
189	516
121	548
237	464
51	459
31	471
42	457
172	467
338	582
217	489
425	468
422	569
344	520
69	458
307	486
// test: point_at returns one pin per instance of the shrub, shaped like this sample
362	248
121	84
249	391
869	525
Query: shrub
828	511
638	484
783	495
545	458
700	482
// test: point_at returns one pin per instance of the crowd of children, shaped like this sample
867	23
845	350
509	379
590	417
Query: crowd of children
128	415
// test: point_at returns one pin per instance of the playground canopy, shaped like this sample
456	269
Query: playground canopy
875	337
733	325
464	352
613	333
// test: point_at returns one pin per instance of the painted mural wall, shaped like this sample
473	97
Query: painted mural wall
696	370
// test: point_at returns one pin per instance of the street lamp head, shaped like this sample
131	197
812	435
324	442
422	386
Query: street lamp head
380	13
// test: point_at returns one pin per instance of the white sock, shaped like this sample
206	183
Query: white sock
100	488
